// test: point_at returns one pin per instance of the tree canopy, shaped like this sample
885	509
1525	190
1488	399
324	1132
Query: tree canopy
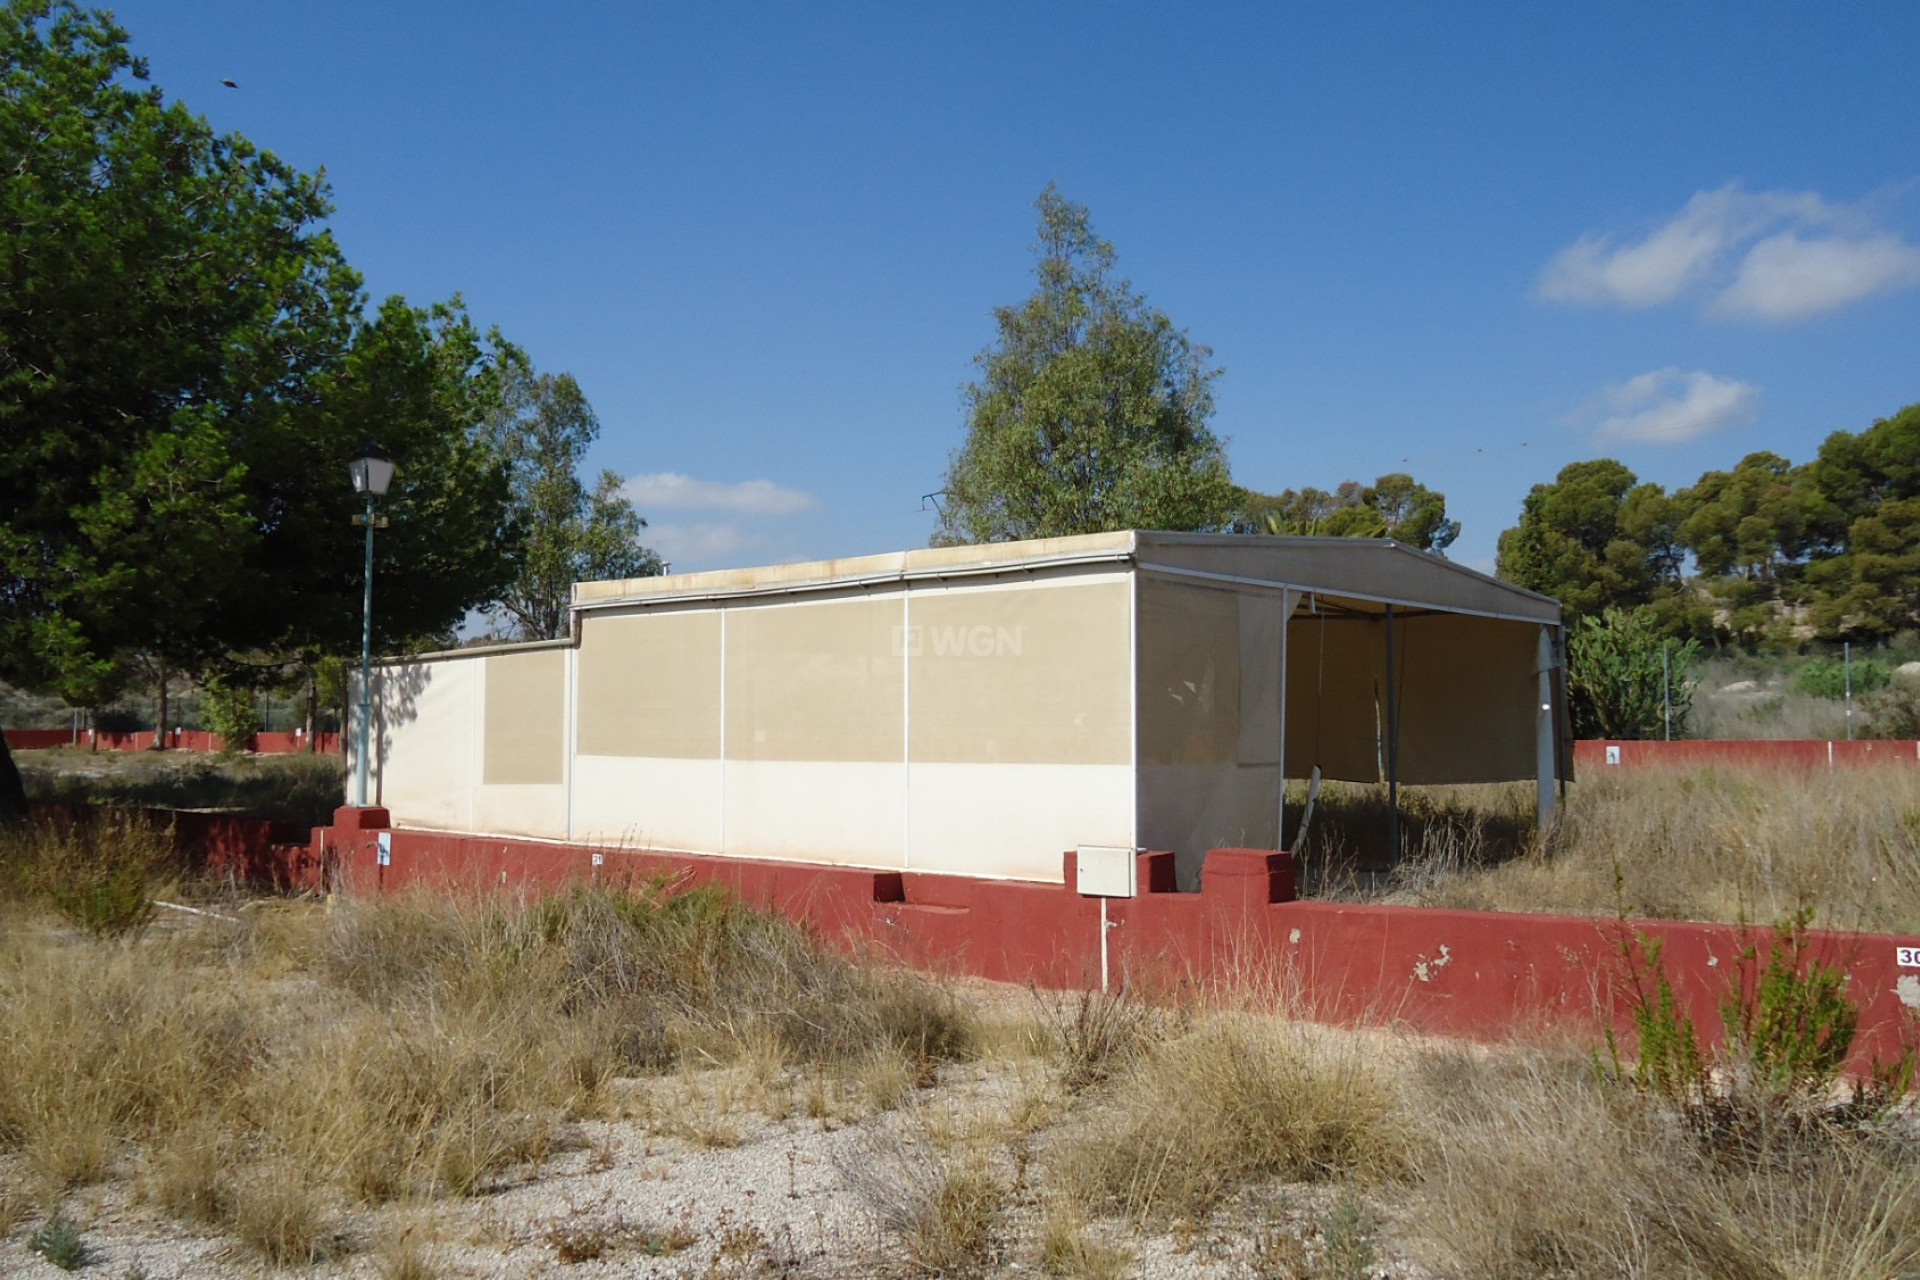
185	369
1827	549
1090	410
542	426
1596	538
1394	506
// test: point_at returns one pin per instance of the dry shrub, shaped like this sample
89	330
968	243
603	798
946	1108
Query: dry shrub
943	1214
277	1214
14	1207
1233	1100
590	1237
1537	1169
1068	1251
98	871
104	1046
1095	1035
1722	844
404	1254
417	1045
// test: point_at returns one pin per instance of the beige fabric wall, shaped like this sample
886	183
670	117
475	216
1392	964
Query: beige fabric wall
525	719
650	685
1209	720
1335	665
1032	674
819	681
1189	674
426	763
1468	713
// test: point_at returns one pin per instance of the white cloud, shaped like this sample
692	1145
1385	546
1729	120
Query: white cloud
688	548
1787	277
1766	255
669	490
1668	406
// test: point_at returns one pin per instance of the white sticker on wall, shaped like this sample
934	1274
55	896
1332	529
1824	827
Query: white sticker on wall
1613	755
386	848
598	857
1907	957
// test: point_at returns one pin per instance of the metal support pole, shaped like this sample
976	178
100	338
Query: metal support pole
1393	752
1546	746
1280	813
1666	686
366	672
1848	661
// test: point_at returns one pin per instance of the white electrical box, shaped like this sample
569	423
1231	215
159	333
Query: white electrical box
1106	871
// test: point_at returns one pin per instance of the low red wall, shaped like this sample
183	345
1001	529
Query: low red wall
257	852
1483	975
1599	754
177	739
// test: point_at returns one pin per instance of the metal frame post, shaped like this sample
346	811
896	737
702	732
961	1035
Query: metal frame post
366	671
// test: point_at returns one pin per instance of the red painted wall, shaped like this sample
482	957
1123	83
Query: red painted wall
1482	975
177	739
1694	753
256	852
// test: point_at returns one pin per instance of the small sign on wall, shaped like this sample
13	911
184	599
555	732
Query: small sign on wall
1613	753
1907	957
385	855
599	858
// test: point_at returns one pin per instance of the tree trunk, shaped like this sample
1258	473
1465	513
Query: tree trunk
13	792
160	731
313	708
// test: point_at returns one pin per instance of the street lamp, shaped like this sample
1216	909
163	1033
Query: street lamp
372	472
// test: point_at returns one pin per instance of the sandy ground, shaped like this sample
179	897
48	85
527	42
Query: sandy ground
723	1174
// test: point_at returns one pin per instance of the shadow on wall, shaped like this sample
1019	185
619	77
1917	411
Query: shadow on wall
396	704
1444	831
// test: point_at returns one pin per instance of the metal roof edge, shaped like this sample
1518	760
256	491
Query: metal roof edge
475	651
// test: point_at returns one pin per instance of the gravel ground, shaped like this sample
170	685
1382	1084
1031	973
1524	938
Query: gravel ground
712	1175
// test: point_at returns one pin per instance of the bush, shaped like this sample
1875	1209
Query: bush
1622	670
98	871
231	712
1894	712
1827	677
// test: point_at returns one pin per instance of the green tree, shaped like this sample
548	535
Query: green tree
1394	506
1864	529
1595	538
1090	412
543	427
1747	530
184	372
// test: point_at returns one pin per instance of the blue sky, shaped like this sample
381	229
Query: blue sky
1474	242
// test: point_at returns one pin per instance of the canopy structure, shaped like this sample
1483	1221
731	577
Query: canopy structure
980	709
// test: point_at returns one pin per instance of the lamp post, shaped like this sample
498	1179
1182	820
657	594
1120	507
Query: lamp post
372	472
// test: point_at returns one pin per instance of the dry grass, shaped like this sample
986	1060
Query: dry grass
1228	1102
296	786
943	1212
1070	1250
1716	843
251	1076
1722	844
1540	1170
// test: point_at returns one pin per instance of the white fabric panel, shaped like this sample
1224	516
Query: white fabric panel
427	757
522	809
1014	820
1191	808
638	802
831	811
1262	618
